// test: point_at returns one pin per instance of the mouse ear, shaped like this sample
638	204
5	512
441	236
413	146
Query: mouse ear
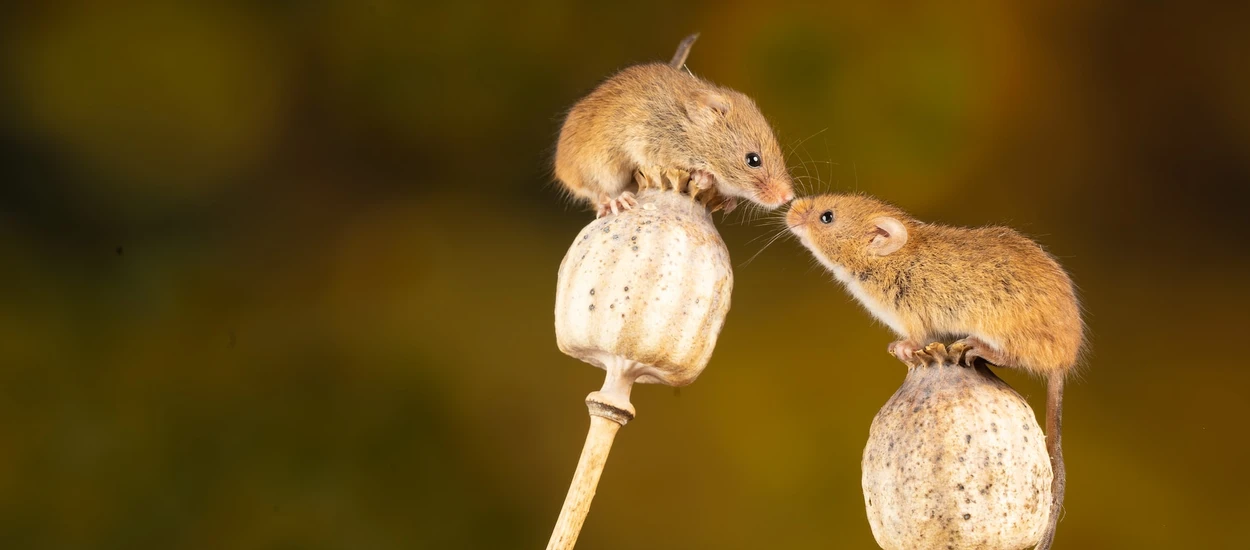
706	107
888	235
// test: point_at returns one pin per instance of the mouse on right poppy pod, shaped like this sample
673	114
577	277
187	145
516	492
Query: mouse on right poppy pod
995	292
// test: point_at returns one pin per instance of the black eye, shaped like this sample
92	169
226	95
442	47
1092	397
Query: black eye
827	217
754	160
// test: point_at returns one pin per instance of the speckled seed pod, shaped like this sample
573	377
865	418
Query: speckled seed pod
955	459
650	285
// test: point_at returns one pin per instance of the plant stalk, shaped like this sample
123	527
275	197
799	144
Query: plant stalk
609	410
585	480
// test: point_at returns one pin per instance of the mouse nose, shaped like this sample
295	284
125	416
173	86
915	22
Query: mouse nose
798	209
780	190
794	217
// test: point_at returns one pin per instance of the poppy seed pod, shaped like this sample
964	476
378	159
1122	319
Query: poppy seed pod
642	294
955	459
650	285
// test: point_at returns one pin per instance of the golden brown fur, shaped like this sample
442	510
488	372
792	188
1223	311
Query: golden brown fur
992	287
948	283
655	115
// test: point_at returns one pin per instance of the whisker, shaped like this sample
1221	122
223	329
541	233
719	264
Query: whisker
819	178
803	164
778	235
758	237
804	140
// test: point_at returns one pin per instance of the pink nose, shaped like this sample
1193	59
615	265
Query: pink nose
787	197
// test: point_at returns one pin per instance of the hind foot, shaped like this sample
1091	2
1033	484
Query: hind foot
904	350
972	348
620	204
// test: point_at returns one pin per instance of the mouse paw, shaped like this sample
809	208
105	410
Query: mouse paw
702	180
904	350
680	180
625	201
936	354
628	200
972	348
651	177
729	205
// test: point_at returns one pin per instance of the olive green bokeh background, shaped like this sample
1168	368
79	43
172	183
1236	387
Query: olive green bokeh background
281	275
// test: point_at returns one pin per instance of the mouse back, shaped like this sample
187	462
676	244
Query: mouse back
931	281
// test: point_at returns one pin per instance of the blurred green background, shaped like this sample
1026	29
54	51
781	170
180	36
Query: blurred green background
281	274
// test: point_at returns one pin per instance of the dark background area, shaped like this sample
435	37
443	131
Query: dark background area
281	274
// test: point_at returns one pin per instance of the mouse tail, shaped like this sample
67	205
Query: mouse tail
683	51
1054	445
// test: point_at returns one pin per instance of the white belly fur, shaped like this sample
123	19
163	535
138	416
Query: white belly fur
852	284
871	304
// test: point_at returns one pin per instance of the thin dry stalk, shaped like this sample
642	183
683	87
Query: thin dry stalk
609	410
585	480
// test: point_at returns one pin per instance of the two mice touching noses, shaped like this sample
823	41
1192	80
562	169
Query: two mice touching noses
999	294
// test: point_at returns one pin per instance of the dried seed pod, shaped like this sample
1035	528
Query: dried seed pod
643	295
650	285
955	459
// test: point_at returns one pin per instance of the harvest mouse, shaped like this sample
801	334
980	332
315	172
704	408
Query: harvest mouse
999	293
656	115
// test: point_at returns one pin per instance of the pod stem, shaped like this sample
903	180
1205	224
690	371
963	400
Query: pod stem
609	410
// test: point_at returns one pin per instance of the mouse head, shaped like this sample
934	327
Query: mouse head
848	231
737	145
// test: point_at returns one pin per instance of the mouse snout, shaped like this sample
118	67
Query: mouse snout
784	188
799	209
776	192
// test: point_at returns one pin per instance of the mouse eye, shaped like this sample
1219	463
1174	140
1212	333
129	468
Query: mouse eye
827	217
754	160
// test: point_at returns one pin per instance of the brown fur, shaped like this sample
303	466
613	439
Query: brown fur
990	285
655	115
